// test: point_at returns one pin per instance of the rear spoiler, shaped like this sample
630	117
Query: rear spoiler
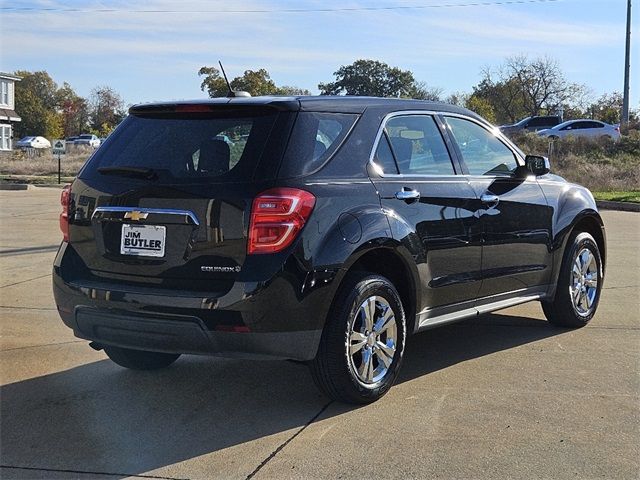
219	105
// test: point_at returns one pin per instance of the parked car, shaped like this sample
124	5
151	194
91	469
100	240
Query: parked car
583	128
87	139
532	124
407	216
33	142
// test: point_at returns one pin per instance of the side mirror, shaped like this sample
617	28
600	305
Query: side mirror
537	165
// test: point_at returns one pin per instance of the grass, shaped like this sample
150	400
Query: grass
628	196
45	164
601	165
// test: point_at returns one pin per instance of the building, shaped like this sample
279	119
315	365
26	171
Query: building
8	116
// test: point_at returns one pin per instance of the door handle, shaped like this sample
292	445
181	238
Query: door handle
490	198
408	195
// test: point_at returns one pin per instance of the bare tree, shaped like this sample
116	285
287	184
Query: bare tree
521	87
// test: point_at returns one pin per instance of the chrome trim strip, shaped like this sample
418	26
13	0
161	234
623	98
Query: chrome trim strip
159	211
425	323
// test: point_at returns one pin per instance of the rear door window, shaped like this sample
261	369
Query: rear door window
185	147
417	146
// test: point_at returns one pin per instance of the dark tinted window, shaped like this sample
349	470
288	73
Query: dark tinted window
418	146
542	122
483	152
188	146
384	157
315	137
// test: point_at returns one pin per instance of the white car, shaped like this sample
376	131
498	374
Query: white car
582	128
33	142
87	139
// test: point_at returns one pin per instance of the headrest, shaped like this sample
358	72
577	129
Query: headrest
214	157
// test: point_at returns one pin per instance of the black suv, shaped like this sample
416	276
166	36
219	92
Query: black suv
317	229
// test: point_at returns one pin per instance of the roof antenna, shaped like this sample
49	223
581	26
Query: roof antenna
232	93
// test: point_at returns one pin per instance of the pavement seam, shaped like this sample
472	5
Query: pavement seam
15	252
43	345
286	442
25	281
11	307
86	472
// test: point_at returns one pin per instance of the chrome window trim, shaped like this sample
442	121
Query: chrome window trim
517	153
159	211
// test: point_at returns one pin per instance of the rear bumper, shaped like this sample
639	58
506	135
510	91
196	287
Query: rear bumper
182	334
281	318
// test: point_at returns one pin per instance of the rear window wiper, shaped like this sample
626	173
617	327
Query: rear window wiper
139	172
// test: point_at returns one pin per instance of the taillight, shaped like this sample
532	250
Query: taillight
65	198
277	216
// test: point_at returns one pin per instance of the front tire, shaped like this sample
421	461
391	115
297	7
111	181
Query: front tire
579	283
139	359
362	344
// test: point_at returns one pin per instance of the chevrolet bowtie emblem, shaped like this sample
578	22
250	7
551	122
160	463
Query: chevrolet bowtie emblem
136	215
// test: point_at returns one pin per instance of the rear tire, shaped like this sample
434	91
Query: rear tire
362	344
579	283
139	359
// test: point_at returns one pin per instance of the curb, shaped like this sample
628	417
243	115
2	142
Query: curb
621	206
29	186
14	186
49	185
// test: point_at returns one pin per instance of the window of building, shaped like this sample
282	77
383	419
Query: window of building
5	137
4	92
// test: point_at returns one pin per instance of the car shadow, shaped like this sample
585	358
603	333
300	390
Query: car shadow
98	417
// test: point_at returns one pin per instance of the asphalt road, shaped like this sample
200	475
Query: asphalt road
504	396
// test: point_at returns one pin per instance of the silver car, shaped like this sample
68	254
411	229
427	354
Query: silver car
582	128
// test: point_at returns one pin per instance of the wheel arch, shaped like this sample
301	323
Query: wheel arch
390	261
588	221
593	225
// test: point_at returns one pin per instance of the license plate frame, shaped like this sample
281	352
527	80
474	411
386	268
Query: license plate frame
144	244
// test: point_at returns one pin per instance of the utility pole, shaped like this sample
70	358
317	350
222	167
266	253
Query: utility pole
627	61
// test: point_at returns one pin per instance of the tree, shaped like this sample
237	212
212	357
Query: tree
255	82
213	82
607	108
422	91
74	110
107	110
521	87
292	91
36	103
481	106
370	77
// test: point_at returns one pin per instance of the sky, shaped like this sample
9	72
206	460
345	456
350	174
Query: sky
152	50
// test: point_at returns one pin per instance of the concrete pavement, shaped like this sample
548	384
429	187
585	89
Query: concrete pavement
504	396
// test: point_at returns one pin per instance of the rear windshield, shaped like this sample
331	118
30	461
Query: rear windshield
185	147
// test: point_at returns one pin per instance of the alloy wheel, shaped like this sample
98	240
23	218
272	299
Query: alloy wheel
584	282
372	340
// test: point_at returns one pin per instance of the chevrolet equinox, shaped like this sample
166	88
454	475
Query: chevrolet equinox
316	229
